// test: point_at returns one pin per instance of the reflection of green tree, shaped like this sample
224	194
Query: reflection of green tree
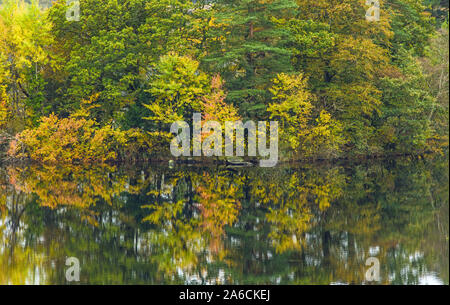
19	263
388	208
291	205
278	210
309	224
51	230
189	226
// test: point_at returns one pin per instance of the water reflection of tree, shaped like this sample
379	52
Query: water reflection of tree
15	264
298	224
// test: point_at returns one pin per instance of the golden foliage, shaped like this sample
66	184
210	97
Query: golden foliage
77	139
293	108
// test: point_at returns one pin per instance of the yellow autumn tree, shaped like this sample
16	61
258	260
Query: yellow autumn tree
4	101
177	88
78	138
302	133
292	107
214	106
25	40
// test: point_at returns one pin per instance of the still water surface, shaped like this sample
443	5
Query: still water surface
296	224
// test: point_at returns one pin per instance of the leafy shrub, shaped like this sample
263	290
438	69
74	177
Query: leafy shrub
77	139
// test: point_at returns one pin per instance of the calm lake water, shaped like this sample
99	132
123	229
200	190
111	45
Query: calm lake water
296	224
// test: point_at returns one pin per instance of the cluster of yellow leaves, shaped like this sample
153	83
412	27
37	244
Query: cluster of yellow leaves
4	100
66	140
76	139
4	111
218	203
325	138
177	87
214	106
293	109
18	27
291	205
79	138
25	36
358	62
216	109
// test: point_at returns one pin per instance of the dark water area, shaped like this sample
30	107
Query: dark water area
293	224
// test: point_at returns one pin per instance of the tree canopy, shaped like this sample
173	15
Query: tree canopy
341	84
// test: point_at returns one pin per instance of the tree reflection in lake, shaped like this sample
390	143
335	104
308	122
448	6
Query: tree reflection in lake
302	224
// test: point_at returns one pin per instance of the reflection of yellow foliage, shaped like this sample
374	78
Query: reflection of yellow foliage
179	242
22	268
191	212
181	239
19	263
218	203
70	185
291	204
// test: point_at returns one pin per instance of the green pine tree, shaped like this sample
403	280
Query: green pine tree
251	49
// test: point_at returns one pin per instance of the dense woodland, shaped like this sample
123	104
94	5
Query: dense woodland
109	86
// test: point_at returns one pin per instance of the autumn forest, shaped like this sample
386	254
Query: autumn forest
107	87
89	90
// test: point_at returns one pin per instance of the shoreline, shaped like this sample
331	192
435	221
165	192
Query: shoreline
230	162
